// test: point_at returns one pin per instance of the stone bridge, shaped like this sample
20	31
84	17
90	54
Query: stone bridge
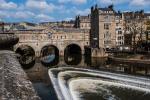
58	38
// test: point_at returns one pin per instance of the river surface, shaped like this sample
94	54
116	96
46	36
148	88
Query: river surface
38	73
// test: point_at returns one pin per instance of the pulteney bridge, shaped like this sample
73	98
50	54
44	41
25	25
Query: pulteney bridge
59	39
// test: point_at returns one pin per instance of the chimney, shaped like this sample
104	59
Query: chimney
96	6
111	6
92	9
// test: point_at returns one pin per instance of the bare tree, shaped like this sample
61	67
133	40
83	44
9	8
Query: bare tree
134	24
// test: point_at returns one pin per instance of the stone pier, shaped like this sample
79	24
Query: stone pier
96	52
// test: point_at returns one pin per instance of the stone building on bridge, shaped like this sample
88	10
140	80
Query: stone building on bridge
83	22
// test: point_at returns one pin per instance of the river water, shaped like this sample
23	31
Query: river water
38	73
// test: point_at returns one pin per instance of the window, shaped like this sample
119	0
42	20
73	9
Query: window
117	24
119	32
106	17
106	26
107	35
117	17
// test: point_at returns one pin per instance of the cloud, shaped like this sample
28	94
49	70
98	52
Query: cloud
147	12
43	18
41	5
68	19
24	14
129	2
4	14
7	5
83	12
140	3
76	11
116	2
73	1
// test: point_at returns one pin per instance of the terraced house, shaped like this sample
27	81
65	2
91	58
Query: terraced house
111	29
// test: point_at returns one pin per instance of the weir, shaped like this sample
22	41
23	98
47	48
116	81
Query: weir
66	81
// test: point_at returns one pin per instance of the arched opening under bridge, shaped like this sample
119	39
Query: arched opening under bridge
26	56
49	55
72	54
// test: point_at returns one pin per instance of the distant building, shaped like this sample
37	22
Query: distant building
83	22
135	26
147	17
66	24
103	33
2	26
18	26
48	24
61	24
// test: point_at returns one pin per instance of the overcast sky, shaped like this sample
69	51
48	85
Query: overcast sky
57	10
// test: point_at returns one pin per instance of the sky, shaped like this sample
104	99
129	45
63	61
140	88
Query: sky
57	10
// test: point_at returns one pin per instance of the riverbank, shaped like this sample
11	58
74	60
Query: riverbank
134	59
14	83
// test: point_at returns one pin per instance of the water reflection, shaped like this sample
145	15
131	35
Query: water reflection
26	56
51	59
72	54
39	76
136	69
49	55
73	59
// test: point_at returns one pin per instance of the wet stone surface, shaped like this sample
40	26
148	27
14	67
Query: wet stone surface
14	84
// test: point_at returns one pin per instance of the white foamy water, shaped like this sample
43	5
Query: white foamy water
54	81
67	80
96	86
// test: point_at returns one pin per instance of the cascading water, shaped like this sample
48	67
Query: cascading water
83	84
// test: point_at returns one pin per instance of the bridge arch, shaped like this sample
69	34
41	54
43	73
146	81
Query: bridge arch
73	54
73	48
26	56
49	55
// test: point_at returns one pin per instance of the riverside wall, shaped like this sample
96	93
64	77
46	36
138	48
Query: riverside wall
14	83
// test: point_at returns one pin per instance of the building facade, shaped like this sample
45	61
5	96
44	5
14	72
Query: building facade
83	22
135	27
103	33
119	29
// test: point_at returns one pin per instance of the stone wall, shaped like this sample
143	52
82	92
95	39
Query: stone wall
14	83
96	52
